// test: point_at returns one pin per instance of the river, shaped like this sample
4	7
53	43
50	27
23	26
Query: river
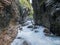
34	38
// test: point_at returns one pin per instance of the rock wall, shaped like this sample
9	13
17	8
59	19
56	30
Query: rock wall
23	10
9	15
47	13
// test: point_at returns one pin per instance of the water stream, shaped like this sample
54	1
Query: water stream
34	38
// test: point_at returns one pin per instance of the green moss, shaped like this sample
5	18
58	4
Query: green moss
25	3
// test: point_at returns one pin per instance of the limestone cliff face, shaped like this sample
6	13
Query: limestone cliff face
9	15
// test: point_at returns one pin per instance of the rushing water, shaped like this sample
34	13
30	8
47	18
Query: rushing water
35	38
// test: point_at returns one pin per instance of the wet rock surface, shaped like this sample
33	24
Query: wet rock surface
36	31
19	38
47	31
31	26
26	43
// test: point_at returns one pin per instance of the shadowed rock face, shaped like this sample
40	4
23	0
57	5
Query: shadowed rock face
5	17
55	25
54	13
5	14
47	13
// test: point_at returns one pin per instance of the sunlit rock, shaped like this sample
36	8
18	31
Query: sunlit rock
8	21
